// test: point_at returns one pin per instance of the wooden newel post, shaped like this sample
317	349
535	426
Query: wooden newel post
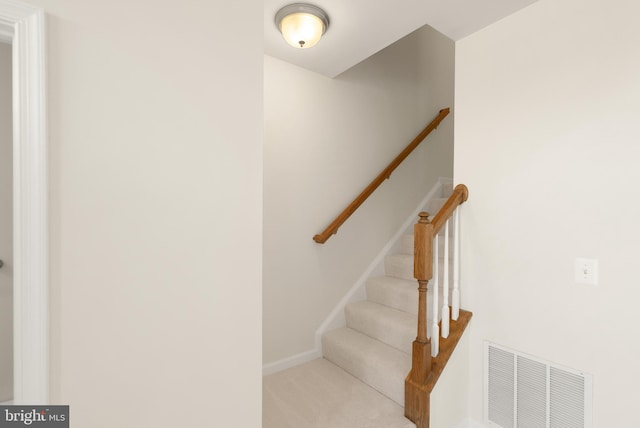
416	397
423	272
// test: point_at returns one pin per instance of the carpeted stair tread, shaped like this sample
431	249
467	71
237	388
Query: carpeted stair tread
407	244
390	326
401	266
381	366
397	293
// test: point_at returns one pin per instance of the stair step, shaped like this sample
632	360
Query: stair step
397	293
381	366
402	295
401	266
391	326
407	244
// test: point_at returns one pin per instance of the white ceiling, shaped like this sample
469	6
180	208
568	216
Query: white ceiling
360	28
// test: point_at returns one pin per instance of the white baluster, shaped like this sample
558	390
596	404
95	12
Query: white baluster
455	295
429	287
435	330
445	284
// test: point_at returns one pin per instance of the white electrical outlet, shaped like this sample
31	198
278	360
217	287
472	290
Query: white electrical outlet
586	271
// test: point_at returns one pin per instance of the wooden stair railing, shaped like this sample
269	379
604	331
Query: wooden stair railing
425	369
332	229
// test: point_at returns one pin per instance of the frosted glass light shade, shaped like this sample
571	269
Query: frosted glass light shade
302	25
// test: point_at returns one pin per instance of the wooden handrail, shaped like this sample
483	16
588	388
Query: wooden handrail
458	197
425	370
332	229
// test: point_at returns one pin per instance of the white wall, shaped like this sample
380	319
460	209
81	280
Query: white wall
155	112
547	131
449	399
6	226
325	140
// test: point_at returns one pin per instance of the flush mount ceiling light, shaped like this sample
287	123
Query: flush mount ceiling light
302	25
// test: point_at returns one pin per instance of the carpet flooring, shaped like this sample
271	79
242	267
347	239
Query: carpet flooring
320	394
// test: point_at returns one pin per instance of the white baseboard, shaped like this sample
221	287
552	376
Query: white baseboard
292	361
7	403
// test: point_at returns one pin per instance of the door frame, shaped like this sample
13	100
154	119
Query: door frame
24	26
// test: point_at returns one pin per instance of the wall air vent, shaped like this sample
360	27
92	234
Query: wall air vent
522	391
